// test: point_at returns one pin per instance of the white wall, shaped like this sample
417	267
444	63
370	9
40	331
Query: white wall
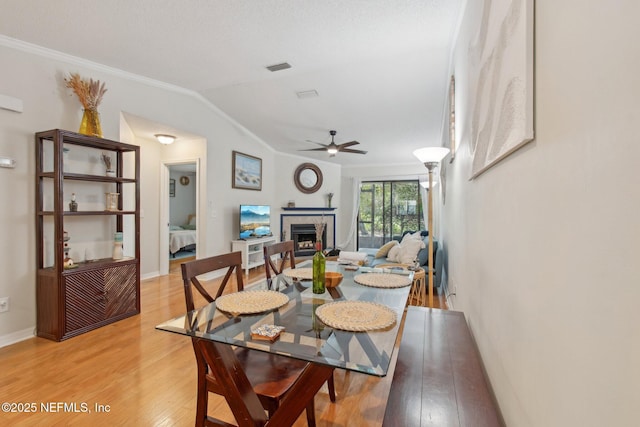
543	247
36	77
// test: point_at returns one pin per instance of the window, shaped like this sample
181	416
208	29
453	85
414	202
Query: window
387	209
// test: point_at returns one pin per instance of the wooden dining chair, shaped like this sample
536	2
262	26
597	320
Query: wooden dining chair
286	252
271	376
239	391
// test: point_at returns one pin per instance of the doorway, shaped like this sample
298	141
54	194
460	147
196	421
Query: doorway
179	223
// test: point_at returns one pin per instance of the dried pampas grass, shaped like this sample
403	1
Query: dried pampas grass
89	92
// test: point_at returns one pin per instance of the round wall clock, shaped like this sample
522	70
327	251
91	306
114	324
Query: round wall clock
308	178
184	180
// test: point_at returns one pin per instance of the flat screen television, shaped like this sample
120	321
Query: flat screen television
255	221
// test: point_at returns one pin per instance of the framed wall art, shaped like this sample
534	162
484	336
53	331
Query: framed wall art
172	188
452	118
247	172
501	85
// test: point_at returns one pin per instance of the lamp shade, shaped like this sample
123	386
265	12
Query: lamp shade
165	139
425	184
431	154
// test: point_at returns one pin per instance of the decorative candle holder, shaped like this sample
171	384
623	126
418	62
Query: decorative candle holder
111	201
117	245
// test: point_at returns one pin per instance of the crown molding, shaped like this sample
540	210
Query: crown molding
76	60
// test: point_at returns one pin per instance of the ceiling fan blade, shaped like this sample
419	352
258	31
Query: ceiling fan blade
313	142
350	150
349	144
315	149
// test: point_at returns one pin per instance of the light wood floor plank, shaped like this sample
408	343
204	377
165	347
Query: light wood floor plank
147	377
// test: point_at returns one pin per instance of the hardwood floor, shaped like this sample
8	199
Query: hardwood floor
139	376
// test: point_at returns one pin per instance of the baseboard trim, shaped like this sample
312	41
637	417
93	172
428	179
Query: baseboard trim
17	336
150	275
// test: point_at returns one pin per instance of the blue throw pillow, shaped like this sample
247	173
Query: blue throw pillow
423	255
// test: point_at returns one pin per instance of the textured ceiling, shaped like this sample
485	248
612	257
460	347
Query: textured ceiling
380	67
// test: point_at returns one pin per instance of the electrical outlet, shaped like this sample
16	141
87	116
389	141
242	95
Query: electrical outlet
4	304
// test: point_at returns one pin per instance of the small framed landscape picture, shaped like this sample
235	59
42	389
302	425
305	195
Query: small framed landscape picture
172	188
247	172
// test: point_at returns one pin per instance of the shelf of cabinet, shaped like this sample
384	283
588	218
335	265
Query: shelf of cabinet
87	213
87	177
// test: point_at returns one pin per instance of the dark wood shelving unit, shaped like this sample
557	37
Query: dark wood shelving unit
71	301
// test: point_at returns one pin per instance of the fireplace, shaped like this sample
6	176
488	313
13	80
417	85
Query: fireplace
304	239
303	223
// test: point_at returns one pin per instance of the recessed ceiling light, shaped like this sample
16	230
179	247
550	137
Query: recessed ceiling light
164	138
278	67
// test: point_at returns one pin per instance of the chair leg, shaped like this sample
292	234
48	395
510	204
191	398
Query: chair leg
202	400
311	414
332	389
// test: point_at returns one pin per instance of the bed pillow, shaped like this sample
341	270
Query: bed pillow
189	227
384	250
174	228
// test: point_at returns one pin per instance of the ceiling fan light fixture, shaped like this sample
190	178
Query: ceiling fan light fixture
332	150
164	138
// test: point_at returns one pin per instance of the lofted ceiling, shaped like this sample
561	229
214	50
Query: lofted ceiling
380	67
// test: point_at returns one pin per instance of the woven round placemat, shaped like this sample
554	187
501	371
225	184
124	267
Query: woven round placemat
356	316
248	302
299	273
382	280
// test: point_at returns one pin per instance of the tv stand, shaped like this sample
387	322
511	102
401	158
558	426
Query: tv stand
252	251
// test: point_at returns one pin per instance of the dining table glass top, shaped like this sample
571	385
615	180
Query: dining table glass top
305	336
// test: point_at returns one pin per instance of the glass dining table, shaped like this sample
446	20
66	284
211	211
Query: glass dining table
305	336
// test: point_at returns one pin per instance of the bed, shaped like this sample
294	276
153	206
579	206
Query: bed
183	237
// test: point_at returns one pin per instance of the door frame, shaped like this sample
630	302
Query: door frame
165	211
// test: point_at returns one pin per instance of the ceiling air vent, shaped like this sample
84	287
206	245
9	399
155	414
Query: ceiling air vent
307	94
278	67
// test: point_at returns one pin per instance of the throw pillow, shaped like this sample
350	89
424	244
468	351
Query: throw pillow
409	251
393	253
423	255
411	236
384	250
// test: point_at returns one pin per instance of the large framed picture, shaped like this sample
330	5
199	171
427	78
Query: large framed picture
247	172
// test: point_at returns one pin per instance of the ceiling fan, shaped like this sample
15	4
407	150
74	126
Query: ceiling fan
334	148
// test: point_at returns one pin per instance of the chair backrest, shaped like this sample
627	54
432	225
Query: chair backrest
192	269
283	248
242	398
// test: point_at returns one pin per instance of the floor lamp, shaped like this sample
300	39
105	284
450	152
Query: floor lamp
431	157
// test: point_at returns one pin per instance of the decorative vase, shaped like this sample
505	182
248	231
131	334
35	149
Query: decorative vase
111	202
90	124
73	205
117	246
319	263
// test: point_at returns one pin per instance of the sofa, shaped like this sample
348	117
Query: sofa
412	245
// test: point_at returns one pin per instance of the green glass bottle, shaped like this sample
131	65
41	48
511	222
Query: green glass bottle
319	263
